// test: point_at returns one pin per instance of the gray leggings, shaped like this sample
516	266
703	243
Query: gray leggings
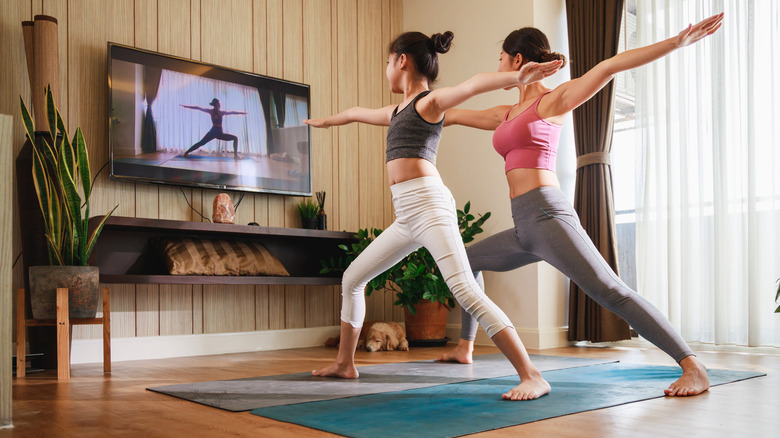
547	228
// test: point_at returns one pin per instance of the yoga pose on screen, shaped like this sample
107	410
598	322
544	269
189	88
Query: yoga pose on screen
424	207
216	127
546	226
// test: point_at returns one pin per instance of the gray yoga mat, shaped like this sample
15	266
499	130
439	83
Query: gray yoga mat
258	392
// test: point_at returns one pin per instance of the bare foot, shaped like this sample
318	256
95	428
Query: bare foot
531	388
462	353
336	370
694	380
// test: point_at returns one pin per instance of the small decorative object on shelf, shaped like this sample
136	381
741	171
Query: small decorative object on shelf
308	210
223	211
322	218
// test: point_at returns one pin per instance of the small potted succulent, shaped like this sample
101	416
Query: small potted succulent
308	210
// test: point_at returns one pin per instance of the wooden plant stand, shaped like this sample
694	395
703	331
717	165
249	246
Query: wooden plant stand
63	323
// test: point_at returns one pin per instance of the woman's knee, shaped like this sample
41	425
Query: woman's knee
351	283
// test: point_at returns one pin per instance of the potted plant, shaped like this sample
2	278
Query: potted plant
308	210
59	166
416	281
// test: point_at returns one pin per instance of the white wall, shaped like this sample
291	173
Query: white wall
534	297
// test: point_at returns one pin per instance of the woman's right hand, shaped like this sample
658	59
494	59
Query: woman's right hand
531	71
316	123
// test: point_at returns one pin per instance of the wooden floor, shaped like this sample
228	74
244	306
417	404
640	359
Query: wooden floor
117	405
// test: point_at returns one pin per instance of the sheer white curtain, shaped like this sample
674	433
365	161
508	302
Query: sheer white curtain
708	196
179	128
296	110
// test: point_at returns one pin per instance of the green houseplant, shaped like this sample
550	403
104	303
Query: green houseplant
62	180
308	209
415	280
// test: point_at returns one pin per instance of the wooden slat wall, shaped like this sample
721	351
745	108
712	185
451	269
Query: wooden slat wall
6	289
336	46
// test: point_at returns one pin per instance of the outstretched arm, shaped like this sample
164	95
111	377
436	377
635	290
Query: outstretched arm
230	113
443	99
378	116
195	107
574	93
488	119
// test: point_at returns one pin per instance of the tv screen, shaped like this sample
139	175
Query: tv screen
187	123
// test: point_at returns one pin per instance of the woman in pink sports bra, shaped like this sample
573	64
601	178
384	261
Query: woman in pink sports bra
546	226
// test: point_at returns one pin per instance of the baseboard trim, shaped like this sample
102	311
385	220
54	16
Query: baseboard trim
163	347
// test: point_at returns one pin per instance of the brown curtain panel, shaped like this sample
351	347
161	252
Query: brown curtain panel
594	28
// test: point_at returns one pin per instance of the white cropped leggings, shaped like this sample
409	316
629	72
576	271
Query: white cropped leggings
425	216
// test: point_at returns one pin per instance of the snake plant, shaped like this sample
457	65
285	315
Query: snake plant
59	167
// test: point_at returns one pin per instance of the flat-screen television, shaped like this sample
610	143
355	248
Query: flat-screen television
182	122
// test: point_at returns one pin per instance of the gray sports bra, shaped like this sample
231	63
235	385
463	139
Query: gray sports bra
410	136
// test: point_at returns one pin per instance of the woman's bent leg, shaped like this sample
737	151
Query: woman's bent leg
498	253
211	135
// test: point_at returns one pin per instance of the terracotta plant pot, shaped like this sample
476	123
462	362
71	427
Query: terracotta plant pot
429	323
83	290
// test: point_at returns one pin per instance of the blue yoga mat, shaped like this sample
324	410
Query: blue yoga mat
476	406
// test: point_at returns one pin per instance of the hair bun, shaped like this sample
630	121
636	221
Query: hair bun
442	41
548	56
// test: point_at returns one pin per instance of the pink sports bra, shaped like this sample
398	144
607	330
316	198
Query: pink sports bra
527	141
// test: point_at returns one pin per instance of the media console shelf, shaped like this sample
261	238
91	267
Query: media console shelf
123	251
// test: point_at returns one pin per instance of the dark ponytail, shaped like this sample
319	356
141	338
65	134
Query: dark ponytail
532	44
422	51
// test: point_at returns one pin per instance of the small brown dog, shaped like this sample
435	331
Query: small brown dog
379	336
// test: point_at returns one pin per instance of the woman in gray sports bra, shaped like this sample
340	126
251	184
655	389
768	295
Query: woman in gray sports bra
425	209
